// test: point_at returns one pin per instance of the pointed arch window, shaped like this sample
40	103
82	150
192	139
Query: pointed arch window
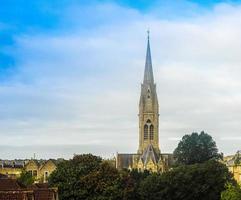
145	132
151	132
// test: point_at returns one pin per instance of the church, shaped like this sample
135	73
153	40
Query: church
148	156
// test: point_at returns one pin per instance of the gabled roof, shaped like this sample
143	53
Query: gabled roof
47	161
34	162
148	154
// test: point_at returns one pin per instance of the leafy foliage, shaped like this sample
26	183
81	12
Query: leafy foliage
131	181
198	176
237	160
199	181
232	192
86	177
26	178
196	148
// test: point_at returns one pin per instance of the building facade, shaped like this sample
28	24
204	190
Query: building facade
12	168
41	170
234	165
148	156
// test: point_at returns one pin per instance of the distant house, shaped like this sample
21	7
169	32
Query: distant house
33	167
11	168
10	189
234	165
41	170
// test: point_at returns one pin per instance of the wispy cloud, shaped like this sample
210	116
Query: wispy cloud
81	85
231	138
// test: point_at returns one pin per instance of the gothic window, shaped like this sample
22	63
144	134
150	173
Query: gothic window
148	121
151	132
145	132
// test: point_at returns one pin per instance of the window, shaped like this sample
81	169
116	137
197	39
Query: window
34	172
148	121
46	175
151	132
145	132
30	172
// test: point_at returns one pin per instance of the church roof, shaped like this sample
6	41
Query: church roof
125	160
148	75
148	154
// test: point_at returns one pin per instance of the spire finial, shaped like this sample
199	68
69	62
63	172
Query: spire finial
148	33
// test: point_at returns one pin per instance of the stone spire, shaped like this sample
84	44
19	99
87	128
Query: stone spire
148	75
148	108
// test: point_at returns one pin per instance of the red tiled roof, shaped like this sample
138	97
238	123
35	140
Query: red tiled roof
10	189
9	184
3	176
11	196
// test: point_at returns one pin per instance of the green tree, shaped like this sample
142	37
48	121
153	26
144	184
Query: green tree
26	178
196	148
86	177
203	181
232	192
153	187
131	180
67	175
237	158
102	183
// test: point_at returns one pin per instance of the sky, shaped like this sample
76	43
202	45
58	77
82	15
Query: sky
71	71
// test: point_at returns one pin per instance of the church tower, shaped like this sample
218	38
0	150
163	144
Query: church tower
148	109
148	156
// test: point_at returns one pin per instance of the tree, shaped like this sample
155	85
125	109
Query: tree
26	178
196	148
153	187
102	184
232	192
86	177
237	158
203	181
131	180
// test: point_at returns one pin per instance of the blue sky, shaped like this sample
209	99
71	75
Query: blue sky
21	16
70	74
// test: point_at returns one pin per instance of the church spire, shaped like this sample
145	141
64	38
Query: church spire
148	74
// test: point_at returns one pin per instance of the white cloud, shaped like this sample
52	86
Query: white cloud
82	86
230	138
